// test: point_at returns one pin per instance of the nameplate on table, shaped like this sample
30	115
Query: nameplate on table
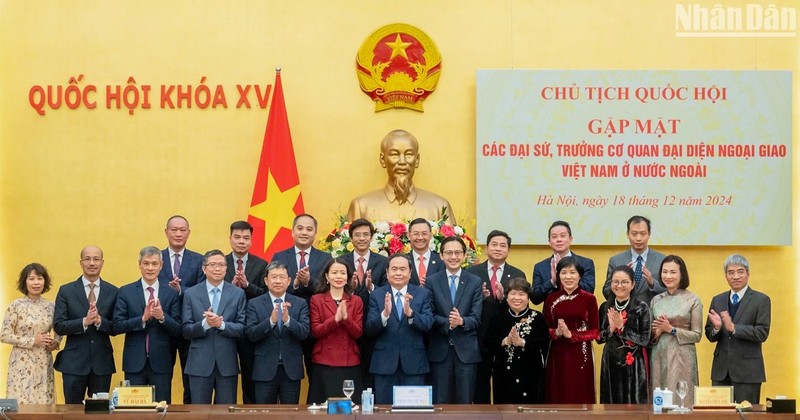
135	396
713	396
412	398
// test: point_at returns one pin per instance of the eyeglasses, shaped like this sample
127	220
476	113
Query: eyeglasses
621	283
419	234
91	259
453	253
362	235
216	265
278	277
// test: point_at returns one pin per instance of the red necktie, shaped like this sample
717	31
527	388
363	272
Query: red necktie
361	269
493	280
302	262
239	266
147	337
421	270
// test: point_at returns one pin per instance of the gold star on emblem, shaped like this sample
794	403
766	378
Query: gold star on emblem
398	47
277	210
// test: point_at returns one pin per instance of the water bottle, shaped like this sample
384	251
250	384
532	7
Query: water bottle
666	397
658	401
114	399
367	401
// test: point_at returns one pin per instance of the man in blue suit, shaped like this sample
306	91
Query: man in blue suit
149	314
424	262
304	265
213	320
453	350
84	313
545	278
369	270
181	269
277	322
399	317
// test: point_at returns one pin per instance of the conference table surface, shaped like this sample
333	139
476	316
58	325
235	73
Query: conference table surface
454	412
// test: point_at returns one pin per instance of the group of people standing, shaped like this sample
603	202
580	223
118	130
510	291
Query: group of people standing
406	319
649	324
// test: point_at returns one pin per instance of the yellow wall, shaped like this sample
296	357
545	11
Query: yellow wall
72	178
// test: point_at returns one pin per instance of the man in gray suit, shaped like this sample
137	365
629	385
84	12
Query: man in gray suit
645	262
738	322
277	322
213	319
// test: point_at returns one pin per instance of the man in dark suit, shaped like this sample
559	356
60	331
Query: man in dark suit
181	269
149	314
495	274
186	269
738	322
213	317
84	313
303	262
246	271
370	272
304	265
424	262
453	350
644	261
400	314
545	278
277	322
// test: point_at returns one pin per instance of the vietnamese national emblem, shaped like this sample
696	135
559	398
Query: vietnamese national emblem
398	66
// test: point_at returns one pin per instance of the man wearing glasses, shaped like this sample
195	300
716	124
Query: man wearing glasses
738	321
453	350
213	320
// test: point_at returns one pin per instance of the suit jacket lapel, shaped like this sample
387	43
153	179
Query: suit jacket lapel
80	294
372	262
140	294
225	297
206	300
460	289
742	304
248	269
330	305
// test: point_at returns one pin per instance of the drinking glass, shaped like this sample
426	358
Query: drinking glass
681	391
348	387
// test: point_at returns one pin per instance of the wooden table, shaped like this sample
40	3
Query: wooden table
451	412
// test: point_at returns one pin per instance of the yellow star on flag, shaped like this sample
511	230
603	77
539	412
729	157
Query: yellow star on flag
398	47
277	210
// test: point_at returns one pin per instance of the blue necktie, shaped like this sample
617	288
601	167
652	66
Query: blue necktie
398	306
280	312
637	273
453	288
735	298
215	300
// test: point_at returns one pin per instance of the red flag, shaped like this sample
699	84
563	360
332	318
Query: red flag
276	193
